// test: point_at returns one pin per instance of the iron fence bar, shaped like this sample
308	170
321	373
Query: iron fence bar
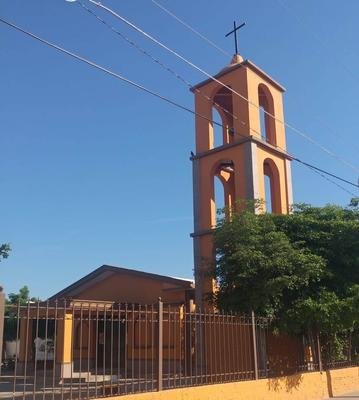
104	348
26	346
180	343
46	338
228	331
319	354
175	346
80	349
36	346
96	349
209	368
126	344
247	370
111	352
2	324
152	346
202	344
61	368
55	351
88	349
18	321
139	347
133	348
238	346
233	359
191	345
72	346
254	346
119	348
160	346
169	348
146	346
185	345
195	346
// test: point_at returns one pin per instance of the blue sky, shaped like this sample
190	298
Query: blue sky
94	171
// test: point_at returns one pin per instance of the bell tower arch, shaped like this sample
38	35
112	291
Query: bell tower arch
252	149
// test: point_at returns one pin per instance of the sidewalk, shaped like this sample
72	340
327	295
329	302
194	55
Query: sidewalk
347	396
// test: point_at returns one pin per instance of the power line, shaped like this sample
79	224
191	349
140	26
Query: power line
316	170
325	172
107	71
141	87
207	40
166	10
153	58
183	80
159	43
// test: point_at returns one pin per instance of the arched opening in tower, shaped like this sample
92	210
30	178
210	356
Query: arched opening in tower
223	190
217	130
271	187
222	111
266	115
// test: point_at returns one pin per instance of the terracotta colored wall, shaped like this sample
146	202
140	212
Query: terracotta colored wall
285	354
131	289
309	386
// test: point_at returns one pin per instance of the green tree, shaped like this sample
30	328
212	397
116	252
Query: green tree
301	270
22	297
4	251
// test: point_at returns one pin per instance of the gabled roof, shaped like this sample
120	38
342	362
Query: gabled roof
107	270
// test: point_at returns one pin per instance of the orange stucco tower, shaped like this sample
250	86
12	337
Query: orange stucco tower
250	152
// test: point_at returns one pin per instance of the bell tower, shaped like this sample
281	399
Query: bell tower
250	160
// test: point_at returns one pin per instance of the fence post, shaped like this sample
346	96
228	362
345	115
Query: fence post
255	356
2	321
160	345
319	352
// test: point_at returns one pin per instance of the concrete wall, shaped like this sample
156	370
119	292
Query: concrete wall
308	386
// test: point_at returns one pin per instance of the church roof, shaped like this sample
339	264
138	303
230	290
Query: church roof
105	271
236	65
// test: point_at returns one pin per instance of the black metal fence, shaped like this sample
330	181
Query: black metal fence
88	349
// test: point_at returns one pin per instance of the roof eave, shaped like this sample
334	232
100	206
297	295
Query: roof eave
245	63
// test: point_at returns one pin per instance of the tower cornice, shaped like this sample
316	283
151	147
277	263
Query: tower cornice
261	143
232	67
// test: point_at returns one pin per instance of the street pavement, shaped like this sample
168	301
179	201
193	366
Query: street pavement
347	396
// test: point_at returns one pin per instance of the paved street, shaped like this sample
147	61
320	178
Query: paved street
347	396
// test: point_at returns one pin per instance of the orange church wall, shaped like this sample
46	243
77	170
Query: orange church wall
130	289
254	80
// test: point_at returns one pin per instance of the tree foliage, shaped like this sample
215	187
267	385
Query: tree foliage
22	297
4	251
301	270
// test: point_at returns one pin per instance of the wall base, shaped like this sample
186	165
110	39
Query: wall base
307	386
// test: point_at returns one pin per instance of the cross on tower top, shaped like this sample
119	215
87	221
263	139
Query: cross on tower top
234	32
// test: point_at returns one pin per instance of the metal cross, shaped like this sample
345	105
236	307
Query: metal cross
234	31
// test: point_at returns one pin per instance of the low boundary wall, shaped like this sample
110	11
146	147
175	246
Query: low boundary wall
306	386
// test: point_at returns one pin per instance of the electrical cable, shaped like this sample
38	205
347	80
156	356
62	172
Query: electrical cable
166	10
158	42
106	70
141	87
300	21
207	97
153	58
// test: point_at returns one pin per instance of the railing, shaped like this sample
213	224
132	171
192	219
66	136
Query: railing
87	349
